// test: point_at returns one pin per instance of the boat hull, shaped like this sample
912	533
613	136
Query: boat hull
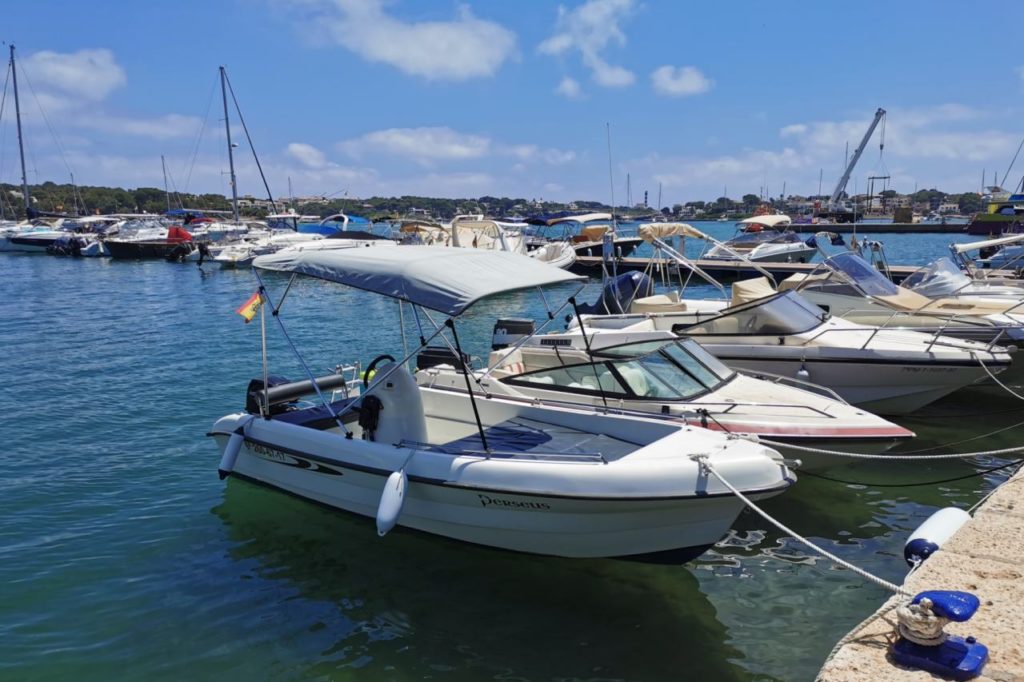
339	473
871	385
141	250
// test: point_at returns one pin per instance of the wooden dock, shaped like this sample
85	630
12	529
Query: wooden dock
722	270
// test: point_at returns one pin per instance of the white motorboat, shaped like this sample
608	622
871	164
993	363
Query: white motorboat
242	253
847	286
559	254
888	371
586	232
881	370
673	379
503	473
31	238
765	239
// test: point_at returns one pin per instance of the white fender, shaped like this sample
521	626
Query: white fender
391	501
930	535
231	450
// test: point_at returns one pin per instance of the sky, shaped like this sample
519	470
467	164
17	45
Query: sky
525	99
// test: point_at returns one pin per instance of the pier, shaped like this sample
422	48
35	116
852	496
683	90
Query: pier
878	228
985	557
723	270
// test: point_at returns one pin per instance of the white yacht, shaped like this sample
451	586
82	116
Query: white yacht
503	473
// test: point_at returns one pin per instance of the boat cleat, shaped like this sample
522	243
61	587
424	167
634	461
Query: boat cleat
923	644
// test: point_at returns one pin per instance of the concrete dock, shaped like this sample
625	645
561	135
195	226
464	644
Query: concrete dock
985	557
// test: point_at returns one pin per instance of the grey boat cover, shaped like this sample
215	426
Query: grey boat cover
448	280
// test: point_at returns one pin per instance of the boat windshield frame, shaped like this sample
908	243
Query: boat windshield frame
649	368
788	324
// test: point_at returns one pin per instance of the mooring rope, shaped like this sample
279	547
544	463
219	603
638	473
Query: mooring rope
861	455
703	461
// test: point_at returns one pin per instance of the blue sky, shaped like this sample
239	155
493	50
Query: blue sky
372	97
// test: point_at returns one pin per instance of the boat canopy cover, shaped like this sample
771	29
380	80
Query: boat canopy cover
448	280
749	290
651	231
1000	241
774	221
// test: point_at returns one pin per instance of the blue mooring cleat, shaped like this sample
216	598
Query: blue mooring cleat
956	658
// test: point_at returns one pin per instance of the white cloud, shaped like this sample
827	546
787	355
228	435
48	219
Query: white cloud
679	81
429	145
90	74
588	29
421	144
160	128
306	154
459	49
570	88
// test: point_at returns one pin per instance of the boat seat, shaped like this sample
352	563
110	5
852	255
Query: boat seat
659	303
636	380
512	365
319	417
749	290
401	416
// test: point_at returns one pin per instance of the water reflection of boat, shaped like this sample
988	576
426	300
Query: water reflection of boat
469	611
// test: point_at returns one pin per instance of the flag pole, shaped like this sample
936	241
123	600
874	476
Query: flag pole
265	405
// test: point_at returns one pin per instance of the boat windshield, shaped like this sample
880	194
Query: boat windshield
769	236
859	272
647	371
939	278
785	313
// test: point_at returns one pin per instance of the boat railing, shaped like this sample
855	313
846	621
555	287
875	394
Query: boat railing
947	321
511	455
935	337
353	381
796	383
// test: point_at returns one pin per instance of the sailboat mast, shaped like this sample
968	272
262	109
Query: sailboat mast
21	142
163	165
231	154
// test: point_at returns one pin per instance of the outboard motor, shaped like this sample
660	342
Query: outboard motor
509	331
619	292
432	356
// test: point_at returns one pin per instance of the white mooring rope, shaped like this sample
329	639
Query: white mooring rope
860	455
892	587
917	623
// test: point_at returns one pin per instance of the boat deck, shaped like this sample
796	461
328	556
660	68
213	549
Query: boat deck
521	437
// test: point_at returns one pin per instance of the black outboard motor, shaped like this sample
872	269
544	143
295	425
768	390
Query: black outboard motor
509	331
432	356
619	293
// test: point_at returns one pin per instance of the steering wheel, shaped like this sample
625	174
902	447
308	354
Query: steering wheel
373	366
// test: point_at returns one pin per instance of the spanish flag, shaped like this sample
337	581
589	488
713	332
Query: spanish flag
251	307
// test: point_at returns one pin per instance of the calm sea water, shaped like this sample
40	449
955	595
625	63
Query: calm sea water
122	556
